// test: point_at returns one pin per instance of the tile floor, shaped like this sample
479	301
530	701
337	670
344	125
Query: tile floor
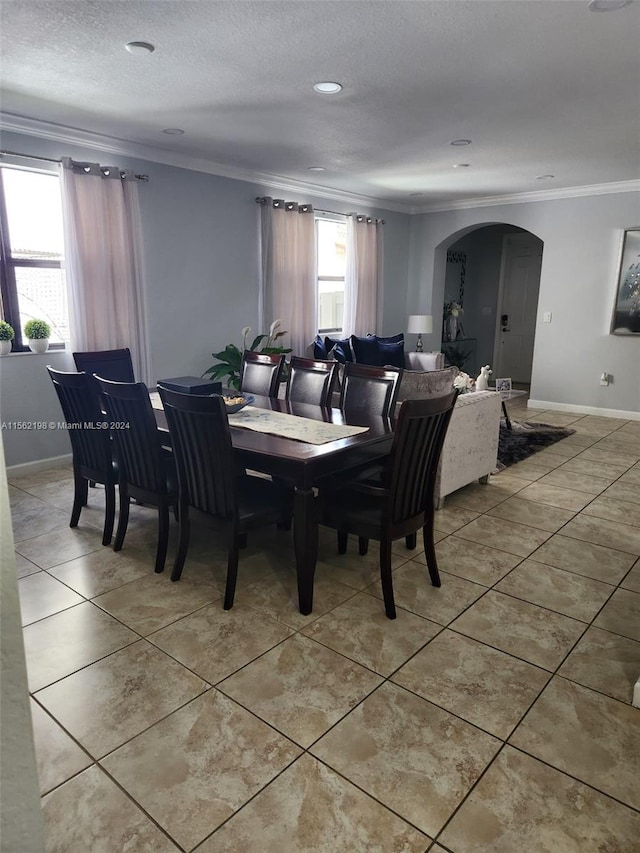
493	715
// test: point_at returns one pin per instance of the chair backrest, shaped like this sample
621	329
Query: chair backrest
90	444
201	441
135	433
260	373
370	389
410	473
113	364
311	381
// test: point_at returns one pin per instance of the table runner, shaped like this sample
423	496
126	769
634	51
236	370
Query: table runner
287	426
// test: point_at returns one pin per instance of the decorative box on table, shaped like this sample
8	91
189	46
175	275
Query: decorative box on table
192	385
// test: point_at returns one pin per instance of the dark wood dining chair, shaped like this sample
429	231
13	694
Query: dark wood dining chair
91	445
113	364
146	470
403	502
211	482
260	373
370	389
311	381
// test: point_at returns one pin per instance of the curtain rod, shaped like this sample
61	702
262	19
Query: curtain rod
263	200
144	178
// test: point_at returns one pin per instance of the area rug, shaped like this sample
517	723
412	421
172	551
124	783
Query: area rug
525	439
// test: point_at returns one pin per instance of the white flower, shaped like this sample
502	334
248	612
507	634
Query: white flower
273	327
463	382
245	331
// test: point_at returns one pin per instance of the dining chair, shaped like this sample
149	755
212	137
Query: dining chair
370	389
260	373
91	445
209	480
114	364
403	501
146	470
311	381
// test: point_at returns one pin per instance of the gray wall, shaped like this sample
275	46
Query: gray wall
579	269
202	272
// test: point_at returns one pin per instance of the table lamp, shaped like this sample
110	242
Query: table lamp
420	324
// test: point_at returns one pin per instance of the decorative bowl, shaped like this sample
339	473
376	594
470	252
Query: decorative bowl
236	400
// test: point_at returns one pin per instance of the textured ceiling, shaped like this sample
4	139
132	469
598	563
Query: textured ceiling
539	87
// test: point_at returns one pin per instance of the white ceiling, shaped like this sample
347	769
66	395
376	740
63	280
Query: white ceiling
539	86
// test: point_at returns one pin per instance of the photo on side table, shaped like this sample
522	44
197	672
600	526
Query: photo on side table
503	384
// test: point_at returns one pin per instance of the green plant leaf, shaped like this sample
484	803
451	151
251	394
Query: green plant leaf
257	341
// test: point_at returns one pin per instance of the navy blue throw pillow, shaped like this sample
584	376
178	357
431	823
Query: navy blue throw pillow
391	354
344	345
319	349
365	350
392	339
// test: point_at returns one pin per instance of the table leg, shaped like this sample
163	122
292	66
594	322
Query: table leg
506	416
305	541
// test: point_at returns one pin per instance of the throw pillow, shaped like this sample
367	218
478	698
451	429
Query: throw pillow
391	353
392	339
418	385
337	353
345	346
319	349
366	350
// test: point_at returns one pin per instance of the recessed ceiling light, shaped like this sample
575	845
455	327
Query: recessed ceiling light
173	131
327	88
416	194
460	142
461	165
544	177
315	168
607	5
140	47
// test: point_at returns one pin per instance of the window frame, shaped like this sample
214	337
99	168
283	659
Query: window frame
9	302
326	216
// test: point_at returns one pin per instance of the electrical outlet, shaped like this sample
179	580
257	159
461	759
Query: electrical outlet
546	317
604	379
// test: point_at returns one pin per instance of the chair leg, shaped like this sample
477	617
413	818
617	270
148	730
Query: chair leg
163	536
110	512
386	578
411	541
430	551
79	498
342	542
484	480
184	530
123	517
232	567
363	545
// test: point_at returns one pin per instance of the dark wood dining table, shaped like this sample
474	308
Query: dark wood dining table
305	466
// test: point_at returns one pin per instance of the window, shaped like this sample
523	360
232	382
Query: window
32	282
332	244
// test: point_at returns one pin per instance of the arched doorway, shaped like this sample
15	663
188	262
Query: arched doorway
493	272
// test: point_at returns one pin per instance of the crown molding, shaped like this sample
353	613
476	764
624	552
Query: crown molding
114	145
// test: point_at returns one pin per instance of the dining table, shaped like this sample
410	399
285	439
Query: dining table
304	466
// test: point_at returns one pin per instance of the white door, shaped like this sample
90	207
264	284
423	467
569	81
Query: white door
517	306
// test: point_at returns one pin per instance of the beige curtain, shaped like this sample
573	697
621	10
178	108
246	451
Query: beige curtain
103	260
363	278
289	288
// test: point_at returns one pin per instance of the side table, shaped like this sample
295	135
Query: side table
506	396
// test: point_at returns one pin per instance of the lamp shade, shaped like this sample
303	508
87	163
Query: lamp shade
420	324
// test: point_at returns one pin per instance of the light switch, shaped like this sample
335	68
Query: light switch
547	316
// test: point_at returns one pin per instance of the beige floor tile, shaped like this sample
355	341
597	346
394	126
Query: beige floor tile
473	561
58	756
580	438
538	515
360	630
621	614
560	418
127	692
603	424
625	537
601	470
532	468
154	601
509	536
101	571
61	545
606	662
353	570
597	453
592	737
490	689
42	595
558	452
25	567
584	558
198	766
412	756
613	509
555	496
521	804
39	478
529	632
90	813
62	643
631	477
621	491
413	591
620	443
565	592
310	809
508	478
301	688
451	517
574	482
214	642
479	497
35	519
632	580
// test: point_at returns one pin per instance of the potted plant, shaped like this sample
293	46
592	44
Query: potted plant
6	336
230	358
37	334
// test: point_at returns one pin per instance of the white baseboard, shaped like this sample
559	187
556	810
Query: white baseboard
584	410
38	465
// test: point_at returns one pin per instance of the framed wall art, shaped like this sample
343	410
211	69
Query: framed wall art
626	311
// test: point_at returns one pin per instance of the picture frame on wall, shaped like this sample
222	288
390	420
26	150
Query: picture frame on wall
626	310
503	385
